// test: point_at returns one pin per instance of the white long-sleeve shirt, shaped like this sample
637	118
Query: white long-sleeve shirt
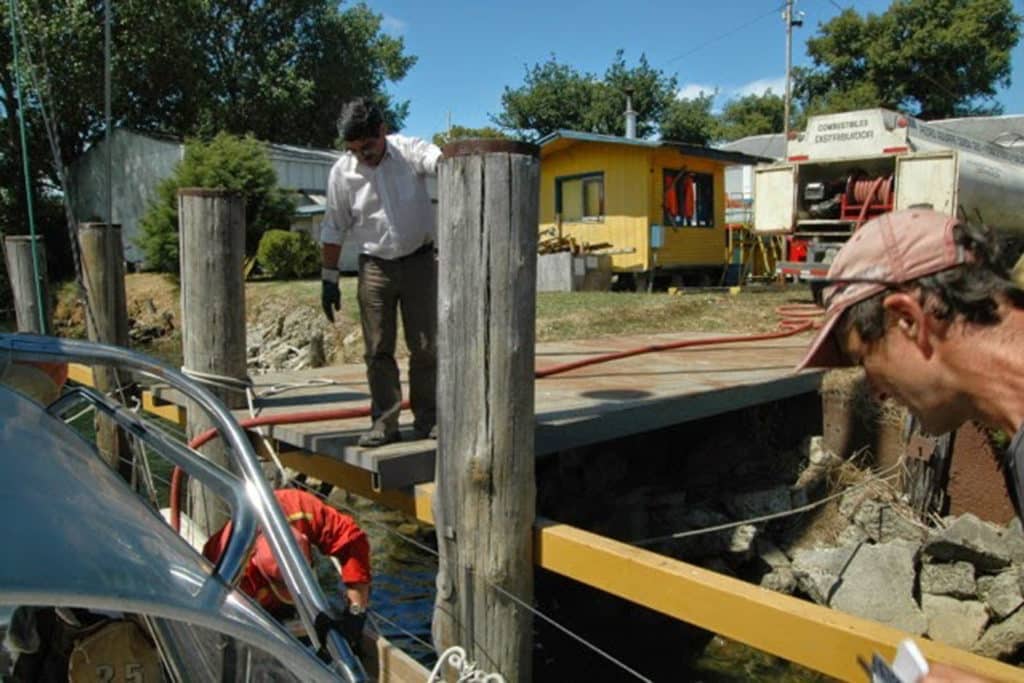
386	208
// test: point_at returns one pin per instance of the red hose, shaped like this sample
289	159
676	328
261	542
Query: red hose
795	318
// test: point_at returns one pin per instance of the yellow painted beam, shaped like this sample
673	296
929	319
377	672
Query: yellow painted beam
414	502
169	411
82	374
816	637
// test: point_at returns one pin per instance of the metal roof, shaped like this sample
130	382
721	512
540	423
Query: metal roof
1007	130
724	156
771	145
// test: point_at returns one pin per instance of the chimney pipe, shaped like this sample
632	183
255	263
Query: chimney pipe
630	114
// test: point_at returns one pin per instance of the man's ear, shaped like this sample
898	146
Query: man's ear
910	319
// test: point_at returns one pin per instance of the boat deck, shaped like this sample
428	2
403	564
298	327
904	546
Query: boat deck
577	408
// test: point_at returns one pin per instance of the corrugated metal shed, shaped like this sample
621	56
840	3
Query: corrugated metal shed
141	161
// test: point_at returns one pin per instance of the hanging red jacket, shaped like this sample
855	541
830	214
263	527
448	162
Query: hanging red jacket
689	197
671	198
332	532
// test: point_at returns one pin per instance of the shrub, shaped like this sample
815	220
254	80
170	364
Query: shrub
226	162
285	255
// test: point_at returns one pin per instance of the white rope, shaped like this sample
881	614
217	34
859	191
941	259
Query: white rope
465	670
221	381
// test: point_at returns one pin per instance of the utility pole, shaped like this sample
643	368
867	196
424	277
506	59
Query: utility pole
787	16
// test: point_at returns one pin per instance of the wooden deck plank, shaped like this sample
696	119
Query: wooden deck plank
583	406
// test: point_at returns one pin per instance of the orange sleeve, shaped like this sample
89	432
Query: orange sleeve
335	534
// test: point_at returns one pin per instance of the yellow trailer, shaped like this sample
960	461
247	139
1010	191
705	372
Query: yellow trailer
658	205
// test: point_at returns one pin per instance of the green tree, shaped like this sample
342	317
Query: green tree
930	58
186	68
462	132
690	120
227	162
557	96
751	115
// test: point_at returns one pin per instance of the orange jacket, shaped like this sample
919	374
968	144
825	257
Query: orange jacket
333	532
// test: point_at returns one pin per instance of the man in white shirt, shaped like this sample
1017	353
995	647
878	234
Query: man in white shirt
377	194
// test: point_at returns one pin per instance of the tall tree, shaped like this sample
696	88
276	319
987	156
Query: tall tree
751	115
278	69
558	96
930	58
690	120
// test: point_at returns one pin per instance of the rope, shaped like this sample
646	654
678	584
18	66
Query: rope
219	381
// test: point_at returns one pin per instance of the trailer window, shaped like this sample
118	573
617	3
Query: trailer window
688	199
580	198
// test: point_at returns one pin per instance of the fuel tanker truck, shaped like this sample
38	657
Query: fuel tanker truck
846	168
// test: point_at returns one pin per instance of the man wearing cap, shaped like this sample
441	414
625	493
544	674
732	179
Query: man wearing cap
313	523
924	303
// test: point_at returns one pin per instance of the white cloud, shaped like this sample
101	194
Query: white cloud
692	90
392	25
760	86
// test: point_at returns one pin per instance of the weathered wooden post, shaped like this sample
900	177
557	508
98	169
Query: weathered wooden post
106	321
26	290
212	247
488	197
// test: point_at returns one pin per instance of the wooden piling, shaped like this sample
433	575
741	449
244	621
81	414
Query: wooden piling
106	320
20	272
212	247
488	200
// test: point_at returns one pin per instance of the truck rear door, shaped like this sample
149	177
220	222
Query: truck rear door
927	178
774	198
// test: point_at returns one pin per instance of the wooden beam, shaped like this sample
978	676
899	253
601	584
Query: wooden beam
414	501
797	630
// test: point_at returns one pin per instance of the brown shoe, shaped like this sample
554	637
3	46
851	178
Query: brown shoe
378	437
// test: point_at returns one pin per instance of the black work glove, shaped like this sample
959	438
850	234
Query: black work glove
352	628
330	295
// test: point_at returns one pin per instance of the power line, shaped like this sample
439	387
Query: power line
728	33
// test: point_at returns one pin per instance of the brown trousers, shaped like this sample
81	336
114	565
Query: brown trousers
409	283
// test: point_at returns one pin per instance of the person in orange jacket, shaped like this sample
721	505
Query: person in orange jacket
314	523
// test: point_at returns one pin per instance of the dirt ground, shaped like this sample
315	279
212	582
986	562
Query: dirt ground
154	312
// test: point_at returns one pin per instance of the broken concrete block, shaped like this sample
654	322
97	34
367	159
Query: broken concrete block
878	584
954	579
971	540
955	622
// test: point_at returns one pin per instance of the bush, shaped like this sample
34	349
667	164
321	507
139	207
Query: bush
226	162
286	255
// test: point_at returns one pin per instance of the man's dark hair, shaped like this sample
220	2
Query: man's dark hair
972	290
360	119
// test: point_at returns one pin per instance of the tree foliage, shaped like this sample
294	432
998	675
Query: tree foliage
457	132
751	115
930	58
557	96
276	69
690	120
226	162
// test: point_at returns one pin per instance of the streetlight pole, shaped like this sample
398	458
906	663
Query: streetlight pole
788	18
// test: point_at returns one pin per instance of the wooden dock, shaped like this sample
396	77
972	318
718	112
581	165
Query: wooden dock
577	408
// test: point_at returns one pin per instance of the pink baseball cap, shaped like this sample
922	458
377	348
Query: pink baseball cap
885	252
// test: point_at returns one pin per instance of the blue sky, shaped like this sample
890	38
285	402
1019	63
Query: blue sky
470	50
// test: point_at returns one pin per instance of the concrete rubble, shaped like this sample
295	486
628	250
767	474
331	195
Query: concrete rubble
957	580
